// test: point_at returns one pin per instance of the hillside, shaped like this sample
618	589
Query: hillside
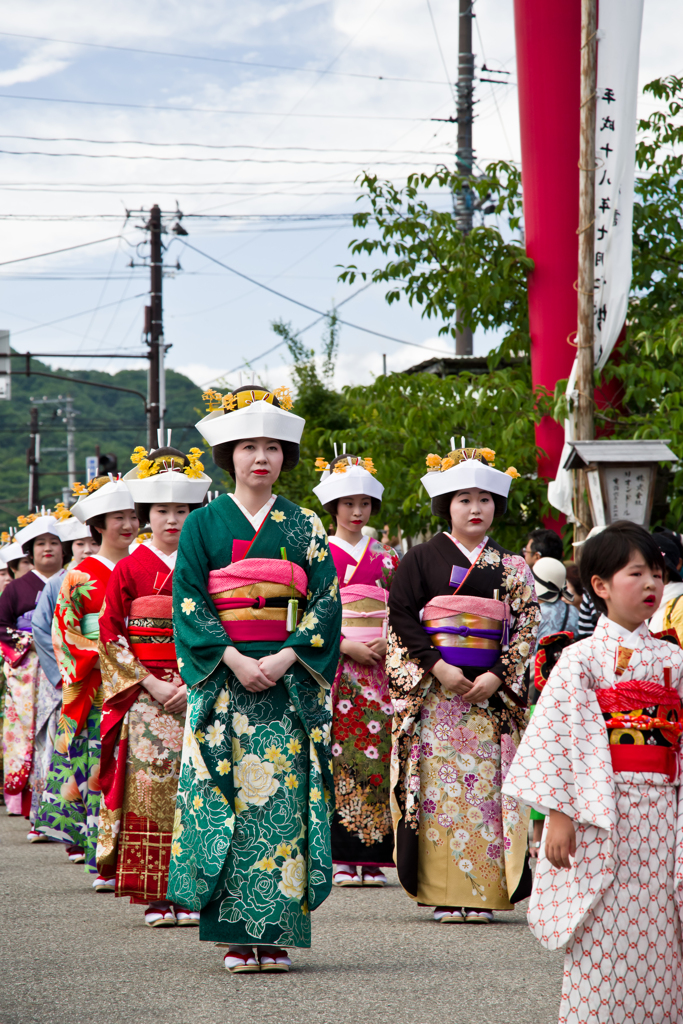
114	420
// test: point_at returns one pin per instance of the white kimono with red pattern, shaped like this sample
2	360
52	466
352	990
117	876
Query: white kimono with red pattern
618	907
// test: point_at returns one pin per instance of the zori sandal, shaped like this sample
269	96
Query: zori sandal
345	875
187	918
449	915
241	963
158	917
272	961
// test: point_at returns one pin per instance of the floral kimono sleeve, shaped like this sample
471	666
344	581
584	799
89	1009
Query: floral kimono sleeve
316	640
121	670
512	664
200	637
77	655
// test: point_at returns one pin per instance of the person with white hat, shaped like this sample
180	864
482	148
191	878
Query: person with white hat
558	613
462	627
144	693
38	539
362	827
77	544
257	618
70	807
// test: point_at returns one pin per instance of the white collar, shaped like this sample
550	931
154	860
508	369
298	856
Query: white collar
168	560
356	551
105	561
472	556
40	575
616	632
257	520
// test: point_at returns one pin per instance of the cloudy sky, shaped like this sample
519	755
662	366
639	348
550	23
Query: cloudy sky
255	118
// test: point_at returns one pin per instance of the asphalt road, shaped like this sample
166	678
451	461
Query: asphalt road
71	956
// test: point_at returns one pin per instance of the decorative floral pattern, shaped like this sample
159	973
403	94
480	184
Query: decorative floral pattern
444	751
251	846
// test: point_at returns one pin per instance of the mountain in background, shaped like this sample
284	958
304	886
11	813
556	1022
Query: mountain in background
111	419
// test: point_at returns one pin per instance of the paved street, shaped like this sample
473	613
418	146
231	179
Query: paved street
71	956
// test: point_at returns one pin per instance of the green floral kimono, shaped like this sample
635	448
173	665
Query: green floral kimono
251	843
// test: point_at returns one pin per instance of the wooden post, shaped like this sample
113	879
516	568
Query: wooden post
584	425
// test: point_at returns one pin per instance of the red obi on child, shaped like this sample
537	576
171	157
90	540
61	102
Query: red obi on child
252	598
644	725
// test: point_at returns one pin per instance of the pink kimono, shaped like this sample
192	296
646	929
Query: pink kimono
362	830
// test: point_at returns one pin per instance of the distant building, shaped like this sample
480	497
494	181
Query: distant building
451	366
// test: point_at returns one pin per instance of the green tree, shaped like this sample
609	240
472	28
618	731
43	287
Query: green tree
113	420
474	280
402	418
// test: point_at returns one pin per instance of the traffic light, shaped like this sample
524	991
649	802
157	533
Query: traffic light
107	464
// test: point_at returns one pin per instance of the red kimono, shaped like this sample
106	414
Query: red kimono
141	743
362	830
23	673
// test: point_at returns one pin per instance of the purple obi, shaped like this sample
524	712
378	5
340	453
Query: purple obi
470	632
24	621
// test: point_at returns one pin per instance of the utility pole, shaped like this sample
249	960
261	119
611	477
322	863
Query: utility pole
584	423
464	157
155	412
33	458
70	417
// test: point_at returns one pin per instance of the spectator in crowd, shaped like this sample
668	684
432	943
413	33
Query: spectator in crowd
574	584
542	544
557	615
669	615
588	613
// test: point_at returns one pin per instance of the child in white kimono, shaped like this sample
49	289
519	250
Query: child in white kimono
600	758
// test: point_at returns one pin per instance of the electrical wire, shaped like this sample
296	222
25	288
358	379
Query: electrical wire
214	145
279	344
204	159
209	110
225	60
67	248
441	53
74	316
304	305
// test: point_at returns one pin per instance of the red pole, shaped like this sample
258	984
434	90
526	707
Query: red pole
548	40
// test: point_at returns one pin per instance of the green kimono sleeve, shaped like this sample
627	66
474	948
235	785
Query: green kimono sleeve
199	635
316	640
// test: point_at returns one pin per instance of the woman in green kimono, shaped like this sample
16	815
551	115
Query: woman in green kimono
257	621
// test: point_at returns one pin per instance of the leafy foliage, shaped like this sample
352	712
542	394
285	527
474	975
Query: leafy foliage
657	223
402	418
479	277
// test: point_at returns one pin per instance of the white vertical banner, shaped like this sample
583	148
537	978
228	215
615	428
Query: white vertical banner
619	25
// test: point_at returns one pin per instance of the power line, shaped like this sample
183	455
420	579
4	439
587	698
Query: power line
216	145
304	305
210	110
225	60
279	344
67	248
74	316
441	54
205	159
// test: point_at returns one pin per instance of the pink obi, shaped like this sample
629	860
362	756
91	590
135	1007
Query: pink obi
251	597
364	612
469	631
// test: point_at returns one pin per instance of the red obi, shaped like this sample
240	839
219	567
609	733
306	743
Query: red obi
644	725
252	596
150	628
